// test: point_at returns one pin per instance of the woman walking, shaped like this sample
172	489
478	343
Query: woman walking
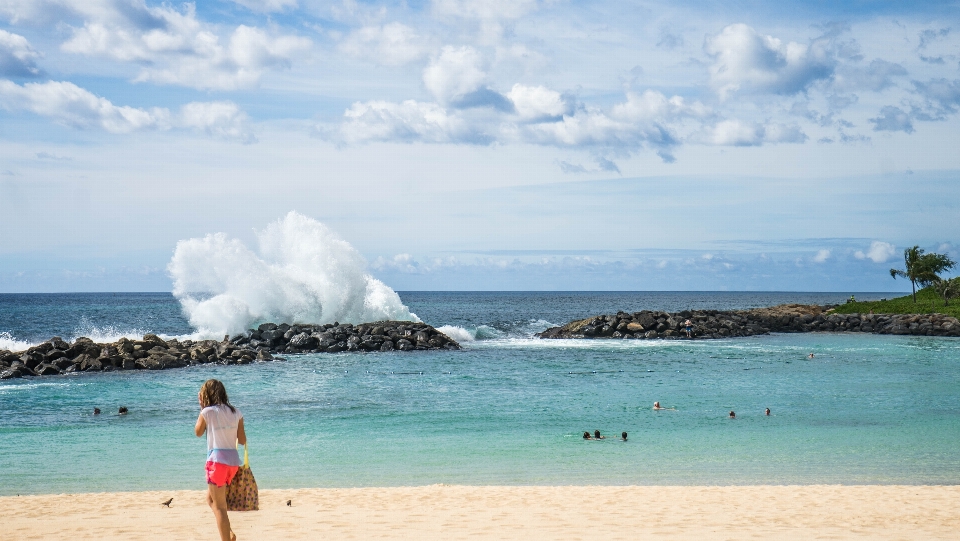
223	425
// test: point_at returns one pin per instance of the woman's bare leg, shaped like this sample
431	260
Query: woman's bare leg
217	500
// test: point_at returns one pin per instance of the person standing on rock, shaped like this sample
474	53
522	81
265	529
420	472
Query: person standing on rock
223	425
688	328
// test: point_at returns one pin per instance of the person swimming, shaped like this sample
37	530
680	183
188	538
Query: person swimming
657	406
766	412
810	356
123	410
587	436
733	415
96	411
623	436
597	436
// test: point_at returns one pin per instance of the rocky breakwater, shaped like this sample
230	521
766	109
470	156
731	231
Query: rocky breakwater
56	356
712	324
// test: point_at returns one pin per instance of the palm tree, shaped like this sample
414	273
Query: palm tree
922	268
947	289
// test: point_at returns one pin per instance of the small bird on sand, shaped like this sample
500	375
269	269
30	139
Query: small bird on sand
168	502
289	503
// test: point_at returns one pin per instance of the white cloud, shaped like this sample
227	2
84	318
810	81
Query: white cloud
548	120
266	6
744	59
739	133
17	57
878	252
642	119
223	119
175	47
455	73
408	121
484	9
821	256
892	119
392	44
876	76
68	104
71	105
537	102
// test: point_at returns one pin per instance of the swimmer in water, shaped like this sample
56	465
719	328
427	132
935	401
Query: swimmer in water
766	412
810	356
96	411
123	410
657	406
623	436
733	415
597	436
586	436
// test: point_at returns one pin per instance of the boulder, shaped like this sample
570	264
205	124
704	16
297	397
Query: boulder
10	373
47	370
91	365
303	341
633	327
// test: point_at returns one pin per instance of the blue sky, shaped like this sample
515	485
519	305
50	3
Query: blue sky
467	144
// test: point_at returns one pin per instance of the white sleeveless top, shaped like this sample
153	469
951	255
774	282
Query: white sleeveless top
222	427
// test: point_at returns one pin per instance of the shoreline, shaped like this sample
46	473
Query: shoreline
506	512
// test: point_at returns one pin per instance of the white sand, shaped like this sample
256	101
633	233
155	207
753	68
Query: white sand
529	513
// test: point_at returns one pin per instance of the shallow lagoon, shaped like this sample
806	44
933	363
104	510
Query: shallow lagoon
510	409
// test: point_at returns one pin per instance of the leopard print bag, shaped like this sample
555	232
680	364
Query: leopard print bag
242	493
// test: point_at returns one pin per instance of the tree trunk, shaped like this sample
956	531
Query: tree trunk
914	284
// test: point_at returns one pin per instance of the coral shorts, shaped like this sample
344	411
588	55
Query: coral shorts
220	474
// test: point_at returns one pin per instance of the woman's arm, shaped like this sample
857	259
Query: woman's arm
201	426
241	435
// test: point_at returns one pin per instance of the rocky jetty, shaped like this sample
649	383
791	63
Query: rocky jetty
725	324
55	356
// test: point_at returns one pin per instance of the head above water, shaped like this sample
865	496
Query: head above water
213	393
624	436
656	404
732	414
586	435
596	433
767	411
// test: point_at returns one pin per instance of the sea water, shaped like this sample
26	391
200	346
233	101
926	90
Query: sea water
507	409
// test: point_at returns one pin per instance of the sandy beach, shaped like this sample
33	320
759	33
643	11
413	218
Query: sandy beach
490	512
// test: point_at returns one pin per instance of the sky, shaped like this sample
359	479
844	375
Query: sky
484	145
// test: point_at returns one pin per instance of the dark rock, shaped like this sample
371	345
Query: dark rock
91	365
154	339
45	369
10	374
303	341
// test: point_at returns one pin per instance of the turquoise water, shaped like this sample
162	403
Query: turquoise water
510	409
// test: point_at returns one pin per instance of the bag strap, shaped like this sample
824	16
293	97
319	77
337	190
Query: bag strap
246	457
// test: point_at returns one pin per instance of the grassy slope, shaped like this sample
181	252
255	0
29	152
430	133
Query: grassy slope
928	302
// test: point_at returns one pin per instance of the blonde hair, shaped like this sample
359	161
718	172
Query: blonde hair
213	393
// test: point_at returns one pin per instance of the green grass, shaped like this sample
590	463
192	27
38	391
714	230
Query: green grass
928	302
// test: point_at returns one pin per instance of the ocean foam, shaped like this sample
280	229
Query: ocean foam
303	273
8	342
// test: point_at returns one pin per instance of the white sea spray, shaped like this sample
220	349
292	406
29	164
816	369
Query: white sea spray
302	273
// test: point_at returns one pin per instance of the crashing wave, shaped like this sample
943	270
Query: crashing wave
302	273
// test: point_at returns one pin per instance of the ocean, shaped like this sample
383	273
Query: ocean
507	409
